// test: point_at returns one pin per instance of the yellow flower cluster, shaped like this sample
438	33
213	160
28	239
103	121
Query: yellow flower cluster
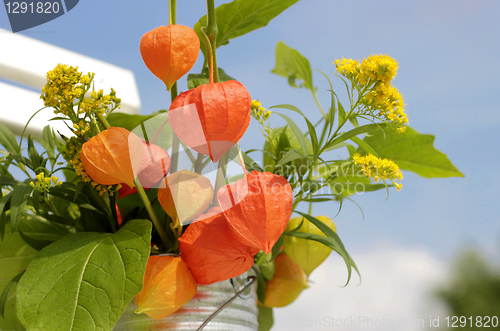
373	77
65	85
98	102
72	156
260	113
378	168
44	184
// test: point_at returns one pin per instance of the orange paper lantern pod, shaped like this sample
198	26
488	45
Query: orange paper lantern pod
211	250
257	208
287	283
170	52
155	165
212	117
185	195
110	157
168	285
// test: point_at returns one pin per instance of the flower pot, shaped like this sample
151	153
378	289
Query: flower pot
239	315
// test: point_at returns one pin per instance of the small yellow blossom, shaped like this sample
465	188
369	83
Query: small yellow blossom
401	129
44	184
378	168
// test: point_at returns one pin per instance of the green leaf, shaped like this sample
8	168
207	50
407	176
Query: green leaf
39	232
35	158
127	121
4	298
332	240
15	256
85	280
18	202
4	201
240	17
364	145
268	159
291	155
265	318
353	133
8	140
276	248
195	80
412	151
296	131
292	65
261	288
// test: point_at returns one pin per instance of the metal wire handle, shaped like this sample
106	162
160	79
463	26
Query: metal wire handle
251	280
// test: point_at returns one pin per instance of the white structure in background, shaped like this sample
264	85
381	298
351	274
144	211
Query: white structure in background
26	61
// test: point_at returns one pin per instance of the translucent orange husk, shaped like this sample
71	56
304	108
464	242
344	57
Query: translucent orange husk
168	285
170	52
257	208
211	250
155	165
212	117
110	157
185	195
287	283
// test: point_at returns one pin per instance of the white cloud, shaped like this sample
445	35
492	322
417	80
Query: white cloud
396	289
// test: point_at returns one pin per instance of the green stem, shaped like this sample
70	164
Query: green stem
152	214
318	104
175	140
199	163
260	259
212	31
172	12
103	121
220	180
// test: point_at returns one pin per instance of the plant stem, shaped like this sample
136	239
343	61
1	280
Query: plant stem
198	164
220	180
318	104
212	37
172	12
175	140
103	121
152	214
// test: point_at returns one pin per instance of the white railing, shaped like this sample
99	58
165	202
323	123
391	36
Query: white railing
25	61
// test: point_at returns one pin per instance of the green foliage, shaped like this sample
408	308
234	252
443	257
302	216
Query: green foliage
85	279
240	17
412	151
292	65
15	256
473	288
129	122
265	318
195	80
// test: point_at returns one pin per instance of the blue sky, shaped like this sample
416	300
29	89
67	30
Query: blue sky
448	56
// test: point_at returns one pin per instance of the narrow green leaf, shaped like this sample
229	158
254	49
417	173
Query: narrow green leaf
292	65
341	113
354	132
240	17
296	131
84	280
18	202
412	151
34	157
195	80
291	155
4	298
265	318
276	248
364	145
8	140
332	240
261	288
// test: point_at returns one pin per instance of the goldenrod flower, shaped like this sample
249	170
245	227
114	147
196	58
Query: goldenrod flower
44	184
378	168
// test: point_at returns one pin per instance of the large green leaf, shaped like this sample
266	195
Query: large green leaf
39	232
412	151
15	256
85	280
292	65
240	17
265	318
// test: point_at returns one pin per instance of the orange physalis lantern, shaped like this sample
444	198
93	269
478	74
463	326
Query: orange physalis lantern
212	117
170	52
110	157
185	195
155	165
168	285
287	283
211	250
257	208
